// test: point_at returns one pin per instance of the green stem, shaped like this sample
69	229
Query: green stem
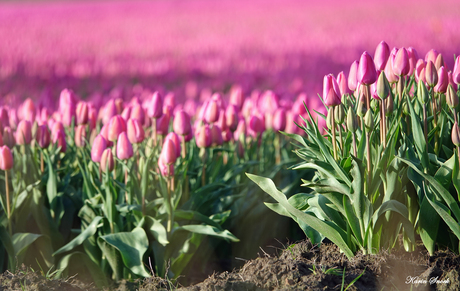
8	210
334	144
340	139
369	164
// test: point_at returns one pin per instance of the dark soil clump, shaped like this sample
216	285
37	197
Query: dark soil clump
299	267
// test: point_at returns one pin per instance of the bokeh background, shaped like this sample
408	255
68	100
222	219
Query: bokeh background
98	48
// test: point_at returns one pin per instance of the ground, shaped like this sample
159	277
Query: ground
300	266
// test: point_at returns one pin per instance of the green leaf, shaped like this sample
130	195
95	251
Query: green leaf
132	246
51	185
89	231
428	223
95	271
155	228
336	235
8	244
419	137
208	230
456	175
21	241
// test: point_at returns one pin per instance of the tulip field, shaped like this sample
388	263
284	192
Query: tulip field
168	140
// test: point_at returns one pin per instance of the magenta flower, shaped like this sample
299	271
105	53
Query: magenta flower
135	131
24	132
169	153
203	137
367	73
155	108
137	112
59	140
443	81
109	111
99	145
42	136
419	67
8	137
331	91
28	110
175	138
163	124
237	97
216	135
400	63
117	125
279	120
181	123
107	163
432	55
231	117
6	158
413	58
212	111
124	147
255	126
343	85
80	136
353	76
456	72
382	52
82	113
431	75
165	169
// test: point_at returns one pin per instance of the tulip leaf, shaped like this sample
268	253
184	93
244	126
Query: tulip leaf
132	246
335	234
208	230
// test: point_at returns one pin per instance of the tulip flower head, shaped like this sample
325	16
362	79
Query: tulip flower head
203	137
135	131
382	52
331	91
59	140
367	73
107	163
24	132
6	158
124	147
80	136
99	145
181	123
117	125
169	153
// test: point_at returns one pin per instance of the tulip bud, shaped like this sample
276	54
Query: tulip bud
24	132
99	145
109	111
28	110
240	149
361	106
181	123
389	106
240	129
422	93
168	154
211	114
343	85
455	134
6	158
451	81
137	112
389	73
431	75
353	76
8	137
352	120
231	117
236	97
339	114
82	113
331	91
279	120
227	135
383	86
124	147
165	170
4	118
329	117
80	136
456	72
367	73
439	62
255	126
135	131
451	97
203	137
382	52
443	80
163	124
59	140
216	135
420	71
413	57
175	138
126	113
155	108
401	64
107	163
369	120
117	125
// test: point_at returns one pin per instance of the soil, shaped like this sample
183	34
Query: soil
300	266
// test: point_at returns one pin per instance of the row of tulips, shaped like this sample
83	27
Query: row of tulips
114	187
388	165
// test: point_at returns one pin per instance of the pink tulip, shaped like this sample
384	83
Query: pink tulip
59	140
169	152
28	110
279	120
443	81
211	113
382	52
8	137
42	136
165	169
418	70
175	138
389	73
109	111
237	97
367	73
99	145
227	135
451	81
400	63
24	132
353	76
137	112
255	126
155	108
68	115
331	91
124	147
268	102
413	58
216	135
240	130
82	113
107	163
431	75
456	72
135	131
432	55
4	118
343	85
203	137
117	125
80	136
6	158
181	123
231	117
163	124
